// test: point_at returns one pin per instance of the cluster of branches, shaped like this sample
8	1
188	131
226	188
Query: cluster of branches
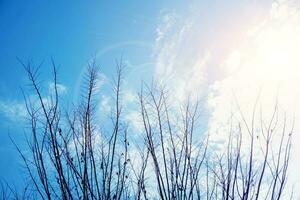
253	164
70	157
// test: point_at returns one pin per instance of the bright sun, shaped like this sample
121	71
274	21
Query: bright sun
278	53
272	51
263	66
267	62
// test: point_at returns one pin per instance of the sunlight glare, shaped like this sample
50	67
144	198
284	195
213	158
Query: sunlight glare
277	54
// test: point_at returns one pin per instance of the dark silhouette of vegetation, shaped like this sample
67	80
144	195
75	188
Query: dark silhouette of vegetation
71	157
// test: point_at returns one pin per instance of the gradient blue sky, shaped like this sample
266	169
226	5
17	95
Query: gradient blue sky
185	43
72	32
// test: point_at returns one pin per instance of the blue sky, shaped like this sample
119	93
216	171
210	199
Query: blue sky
72	32
196	47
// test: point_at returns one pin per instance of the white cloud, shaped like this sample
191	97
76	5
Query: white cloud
129	97
13	110
265	65
135	122
61	89
16	110
180	62
259	59
101	81
105	105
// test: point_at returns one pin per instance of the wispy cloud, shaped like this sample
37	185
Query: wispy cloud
180	63
13	110
61	89
105	105
265	66
250	64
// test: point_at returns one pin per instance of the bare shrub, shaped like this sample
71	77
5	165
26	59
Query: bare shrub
71	157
